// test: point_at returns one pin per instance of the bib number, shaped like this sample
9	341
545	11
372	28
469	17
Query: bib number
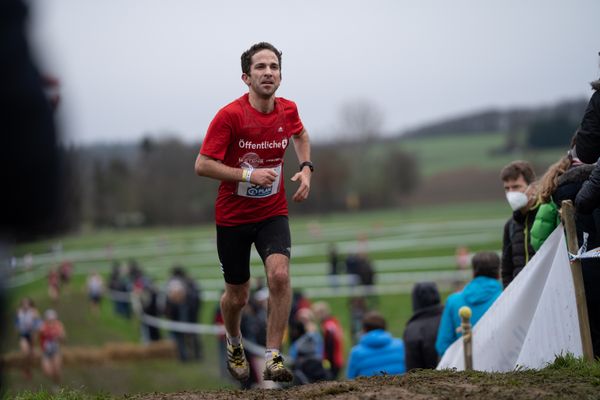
247	189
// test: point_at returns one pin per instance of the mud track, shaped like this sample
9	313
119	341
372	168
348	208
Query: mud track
419	385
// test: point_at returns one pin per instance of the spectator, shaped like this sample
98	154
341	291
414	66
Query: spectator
333	259
479	295
462	258
95	289
120	288
334	263
306	354
150	306
299	301
463	261
65	271
193	307
333	338
307	318
422	328
177	308
113	282
587	203
377	352
52	333
517	178
562	181
366	272
588	135
358	309
53	284
27	322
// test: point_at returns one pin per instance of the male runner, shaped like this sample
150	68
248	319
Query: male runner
244	148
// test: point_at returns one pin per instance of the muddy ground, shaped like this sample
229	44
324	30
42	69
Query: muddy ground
417	385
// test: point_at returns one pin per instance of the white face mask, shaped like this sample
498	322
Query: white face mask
517	200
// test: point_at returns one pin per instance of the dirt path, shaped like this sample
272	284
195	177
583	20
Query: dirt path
419	385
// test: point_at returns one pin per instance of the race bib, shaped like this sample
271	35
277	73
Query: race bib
247	189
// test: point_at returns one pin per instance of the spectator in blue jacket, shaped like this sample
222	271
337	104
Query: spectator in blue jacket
479	295
377	352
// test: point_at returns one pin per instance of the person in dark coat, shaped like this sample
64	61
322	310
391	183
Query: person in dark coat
517	178
421	329
587	205
588	135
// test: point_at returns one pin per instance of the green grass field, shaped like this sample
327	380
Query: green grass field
445	153
405	246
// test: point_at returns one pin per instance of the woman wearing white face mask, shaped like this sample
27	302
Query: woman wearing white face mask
517	178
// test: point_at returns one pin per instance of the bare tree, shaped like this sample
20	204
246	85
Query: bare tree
361	120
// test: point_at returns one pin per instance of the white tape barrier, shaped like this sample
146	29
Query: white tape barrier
186	327
25	278
182	327
116	295
583	252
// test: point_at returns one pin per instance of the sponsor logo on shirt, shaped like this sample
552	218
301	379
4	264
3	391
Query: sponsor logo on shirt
264	145
251	158
259	191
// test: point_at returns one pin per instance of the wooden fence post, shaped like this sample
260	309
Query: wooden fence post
568	219
467	334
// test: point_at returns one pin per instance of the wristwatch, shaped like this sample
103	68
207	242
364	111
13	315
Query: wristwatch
307	164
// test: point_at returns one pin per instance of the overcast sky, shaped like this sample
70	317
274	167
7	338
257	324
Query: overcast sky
133	67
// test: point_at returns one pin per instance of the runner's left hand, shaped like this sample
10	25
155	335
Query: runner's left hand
302	192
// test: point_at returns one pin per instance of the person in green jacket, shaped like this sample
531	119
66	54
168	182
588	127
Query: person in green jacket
562	181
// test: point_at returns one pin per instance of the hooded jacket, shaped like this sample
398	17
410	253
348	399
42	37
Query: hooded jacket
421	329
377	353
479	295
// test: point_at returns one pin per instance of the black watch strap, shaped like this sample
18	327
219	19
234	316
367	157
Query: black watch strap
307	164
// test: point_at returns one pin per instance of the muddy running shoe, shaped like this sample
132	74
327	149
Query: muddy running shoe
276	371
237	365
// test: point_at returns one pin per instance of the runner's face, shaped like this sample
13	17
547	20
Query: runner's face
265	75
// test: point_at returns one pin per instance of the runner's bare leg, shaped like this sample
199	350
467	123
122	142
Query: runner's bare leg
233	301
280	298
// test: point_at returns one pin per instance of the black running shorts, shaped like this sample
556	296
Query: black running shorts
271	236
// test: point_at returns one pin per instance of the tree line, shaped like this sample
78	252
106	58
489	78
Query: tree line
152	183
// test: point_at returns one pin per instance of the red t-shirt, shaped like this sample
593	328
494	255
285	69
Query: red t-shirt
240	134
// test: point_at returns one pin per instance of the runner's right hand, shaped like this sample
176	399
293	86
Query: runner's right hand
263	176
